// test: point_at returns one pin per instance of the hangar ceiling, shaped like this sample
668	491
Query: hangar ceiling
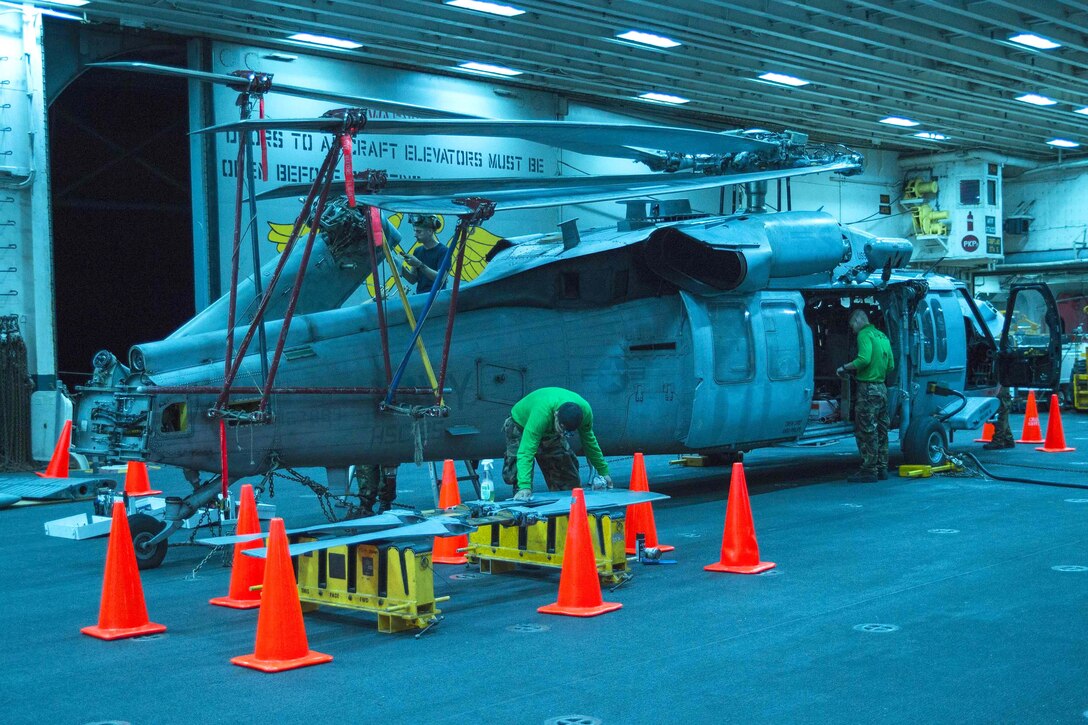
947	65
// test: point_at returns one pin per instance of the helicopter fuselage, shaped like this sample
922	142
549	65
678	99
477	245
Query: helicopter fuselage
712	335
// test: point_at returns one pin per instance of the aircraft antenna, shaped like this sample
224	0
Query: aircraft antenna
930	269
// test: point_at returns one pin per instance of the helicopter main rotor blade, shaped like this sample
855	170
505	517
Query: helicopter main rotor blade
436	526
544	194
380	522
240	83
558	504
607	138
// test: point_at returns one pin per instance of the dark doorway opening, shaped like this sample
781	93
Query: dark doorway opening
122	212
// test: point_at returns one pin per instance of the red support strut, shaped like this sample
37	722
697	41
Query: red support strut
262	134
223	455
349	177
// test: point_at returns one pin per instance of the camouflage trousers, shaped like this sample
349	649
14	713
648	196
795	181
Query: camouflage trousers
557	461
871	426
1002	430
376	483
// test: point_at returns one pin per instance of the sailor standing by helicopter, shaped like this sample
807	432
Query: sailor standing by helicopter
422	265
872	365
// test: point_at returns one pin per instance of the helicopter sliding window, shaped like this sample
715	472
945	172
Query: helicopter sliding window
782	330
926	327
731	327
941	329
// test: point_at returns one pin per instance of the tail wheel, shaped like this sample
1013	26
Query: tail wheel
925	443
143	529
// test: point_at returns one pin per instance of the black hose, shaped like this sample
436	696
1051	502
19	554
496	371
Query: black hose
941	390
1013	479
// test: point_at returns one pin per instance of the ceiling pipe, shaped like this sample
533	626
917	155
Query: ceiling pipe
914	162
1059	166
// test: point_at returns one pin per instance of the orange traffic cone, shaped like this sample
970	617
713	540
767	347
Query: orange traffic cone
246	571
58	464
281	633
640	516
1055	436
1032	433
446	547
579	585
740	551
136	483
122	612
987	433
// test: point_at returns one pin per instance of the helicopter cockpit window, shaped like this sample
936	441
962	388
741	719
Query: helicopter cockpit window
941	330
782	335
732	330
927	332
1028	327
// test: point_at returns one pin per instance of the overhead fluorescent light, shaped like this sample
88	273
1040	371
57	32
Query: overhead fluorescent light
488	69
325	40
506	11
899	121
931	136
783	79
1063	143
664	98
1082	110
657	41
1034	41
50	12
1036	100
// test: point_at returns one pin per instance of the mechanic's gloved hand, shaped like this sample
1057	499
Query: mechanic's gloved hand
600	483
523	494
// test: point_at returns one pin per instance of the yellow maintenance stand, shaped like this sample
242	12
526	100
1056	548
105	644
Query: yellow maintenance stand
500	547
393	581
1080	384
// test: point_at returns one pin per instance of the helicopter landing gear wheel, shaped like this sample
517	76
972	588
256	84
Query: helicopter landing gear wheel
143	528
925	443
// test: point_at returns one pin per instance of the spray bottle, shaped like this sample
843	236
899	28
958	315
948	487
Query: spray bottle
487	486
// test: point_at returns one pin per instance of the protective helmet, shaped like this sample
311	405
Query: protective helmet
425	220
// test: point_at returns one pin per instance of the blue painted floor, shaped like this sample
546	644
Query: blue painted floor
951	599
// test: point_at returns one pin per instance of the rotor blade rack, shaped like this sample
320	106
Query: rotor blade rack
499	547
393	581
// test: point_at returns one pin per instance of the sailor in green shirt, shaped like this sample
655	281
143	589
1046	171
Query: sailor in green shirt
538	428
873	363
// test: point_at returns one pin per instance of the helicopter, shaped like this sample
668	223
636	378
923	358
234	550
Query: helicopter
710	334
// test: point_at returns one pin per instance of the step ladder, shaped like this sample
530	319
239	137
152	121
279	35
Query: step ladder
472	475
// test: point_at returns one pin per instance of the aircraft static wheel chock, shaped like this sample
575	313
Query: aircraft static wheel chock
144	528
926	444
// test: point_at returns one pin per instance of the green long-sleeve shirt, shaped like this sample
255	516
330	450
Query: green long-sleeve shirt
874	358
535	413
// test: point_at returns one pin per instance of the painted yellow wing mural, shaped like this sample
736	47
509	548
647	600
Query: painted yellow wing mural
479	242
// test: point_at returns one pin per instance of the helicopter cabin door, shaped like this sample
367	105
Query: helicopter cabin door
1029	354
752	367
